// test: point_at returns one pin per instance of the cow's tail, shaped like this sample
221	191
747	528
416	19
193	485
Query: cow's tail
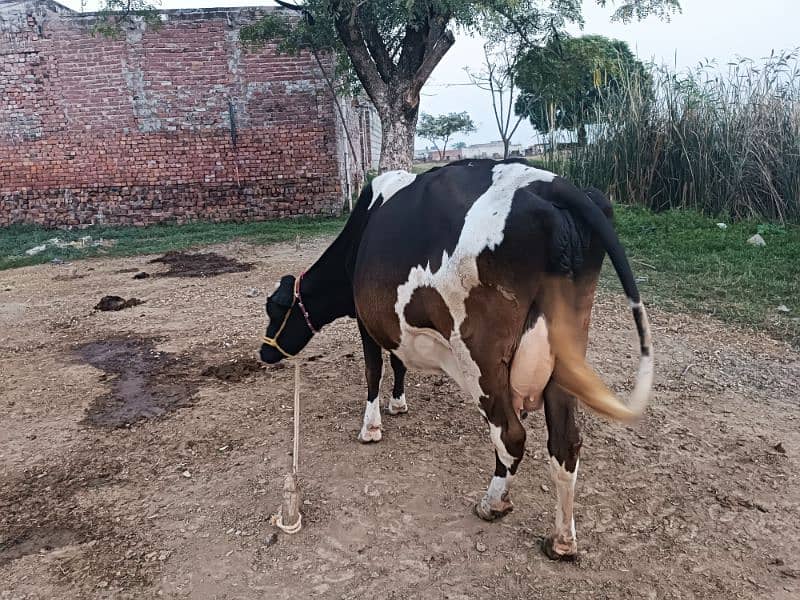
571	370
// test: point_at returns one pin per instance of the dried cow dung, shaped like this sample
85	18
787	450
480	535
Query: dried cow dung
116	303
203	264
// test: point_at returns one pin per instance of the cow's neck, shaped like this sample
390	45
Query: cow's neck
326	291
327	288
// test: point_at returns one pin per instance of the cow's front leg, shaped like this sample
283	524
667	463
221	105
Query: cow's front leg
397	403
508	436
563	445
373	362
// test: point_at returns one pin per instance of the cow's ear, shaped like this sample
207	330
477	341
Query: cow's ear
284	295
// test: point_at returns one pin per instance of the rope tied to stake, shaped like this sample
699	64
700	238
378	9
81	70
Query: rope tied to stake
289	520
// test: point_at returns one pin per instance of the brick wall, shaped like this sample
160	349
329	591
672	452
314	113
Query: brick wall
179	123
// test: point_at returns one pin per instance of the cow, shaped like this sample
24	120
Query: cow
485	271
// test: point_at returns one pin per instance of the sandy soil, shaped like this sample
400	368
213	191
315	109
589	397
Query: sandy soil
142	452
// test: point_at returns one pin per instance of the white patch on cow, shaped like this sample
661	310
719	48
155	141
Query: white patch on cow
496	501
388	184
371	428
458	275
502	453
531	367
397	405
564	539
498	487
633	304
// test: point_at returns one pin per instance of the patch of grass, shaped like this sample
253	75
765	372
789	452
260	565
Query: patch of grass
129	241
687	263
421	167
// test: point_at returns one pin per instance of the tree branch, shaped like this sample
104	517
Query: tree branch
376	47
431	59
297	7
364	66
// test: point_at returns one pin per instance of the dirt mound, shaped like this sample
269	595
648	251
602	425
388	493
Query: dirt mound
146	383
204	264
116	303
236	369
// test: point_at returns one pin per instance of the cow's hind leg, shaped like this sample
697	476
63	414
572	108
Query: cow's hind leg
563	445
508	436
397	403
373	362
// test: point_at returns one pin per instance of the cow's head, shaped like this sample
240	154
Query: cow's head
290	327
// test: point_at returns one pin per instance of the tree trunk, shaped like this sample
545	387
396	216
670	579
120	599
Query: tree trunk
506	143
582	135
398	127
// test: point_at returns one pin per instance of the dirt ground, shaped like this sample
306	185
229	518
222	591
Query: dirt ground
142	452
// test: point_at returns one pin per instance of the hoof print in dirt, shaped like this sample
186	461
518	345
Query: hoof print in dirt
116	303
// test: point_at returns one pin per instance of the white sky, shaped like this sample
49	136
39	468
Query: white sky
707	29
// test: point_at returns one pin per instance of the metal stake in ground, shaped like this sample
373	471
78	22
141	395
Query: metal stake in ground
289	519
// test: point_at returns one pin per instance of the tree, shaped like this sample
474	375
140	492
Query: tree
563	82
442	127
393	46
498	77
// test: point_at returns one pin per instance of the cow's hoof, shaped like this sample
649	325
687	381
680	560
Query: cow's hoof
397	407
567	552
372	434
489	512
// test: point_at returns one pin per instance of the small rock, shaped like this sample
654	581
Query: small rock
187	474
757	240
722	225
783	308
779	448
271	539
545	488
36	250
480	547
252	293
307	502
57	261
141	275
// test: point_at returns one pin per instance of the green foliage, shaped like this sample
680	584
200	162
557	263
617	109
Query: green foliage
130	241
564	82
637	10
116	15
686	263
442	127
394	31
724	144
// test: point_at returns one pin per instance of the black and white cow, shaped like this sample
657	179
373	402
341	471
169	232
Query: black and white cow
485	271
